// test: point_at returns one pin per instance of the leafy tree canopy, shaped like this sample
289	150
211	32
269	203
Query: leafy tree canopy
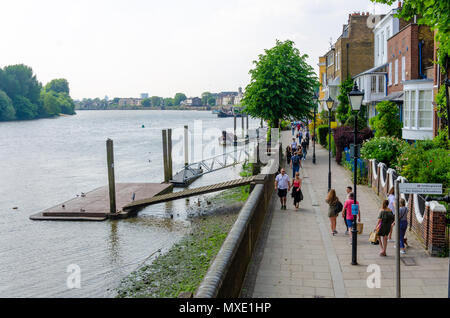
168	101
282	85
156	101
60	85
179	97
7	111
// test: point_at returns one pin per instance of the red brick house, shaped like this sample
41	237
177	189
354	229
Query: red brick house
410	72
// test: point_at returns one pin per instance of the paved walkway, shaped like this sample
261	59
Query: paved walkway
298	256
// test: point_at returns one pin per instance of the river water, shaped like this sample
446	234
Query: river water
48	161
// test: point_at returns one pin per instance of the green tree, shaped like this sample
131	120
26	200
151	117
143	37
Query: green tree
60	85
282	85
25	109
147	102
50	104
206	96
55	99
156	101
19	80
344	111
168	101
387	122
7	111
434	13
179	97
212	101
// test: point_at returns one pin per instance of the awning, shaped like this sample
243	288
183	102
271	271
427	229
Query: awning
393	97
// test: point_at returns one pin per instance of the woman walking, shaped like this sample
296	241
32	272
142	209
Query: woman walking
403	219
297	190
385	221
288	154
391	199
335	206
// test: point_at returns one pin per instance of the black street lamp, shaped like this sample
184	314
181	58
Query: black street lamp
315	99
329	103
355	98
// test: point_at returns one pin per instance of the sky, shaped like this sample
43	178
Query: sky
121	48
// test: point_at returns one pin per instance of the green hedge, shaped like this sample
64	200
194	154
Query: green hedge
322	134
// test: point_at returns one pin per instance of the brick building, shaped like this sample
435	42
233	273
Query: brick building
351	54
374	81
410	59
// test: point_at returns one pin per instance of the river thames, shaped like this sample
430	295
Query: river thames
45	162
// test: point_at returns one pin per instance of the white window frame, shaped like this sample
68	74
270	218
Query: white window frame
403	68
396	72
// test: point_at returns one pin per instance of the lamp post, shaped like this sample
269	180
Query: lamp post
329	103
355	98
315	99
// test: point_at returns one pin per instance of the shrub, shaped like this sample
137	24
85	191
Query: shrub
387	121
351	122
333	146
425	162
343	137
322	132
384	149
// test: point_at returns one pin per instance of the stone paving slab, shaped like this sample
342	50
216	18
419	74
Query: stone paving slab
302	259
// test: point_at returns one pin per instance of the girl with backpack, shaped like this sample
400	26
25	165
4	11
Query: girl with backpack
335	206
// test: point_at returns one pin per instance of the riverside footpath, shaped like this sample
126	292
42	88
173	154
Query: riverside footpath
297	257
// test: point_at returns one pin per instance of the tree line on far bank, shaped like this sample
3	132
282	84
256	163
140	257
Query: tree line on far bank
208	99
22	96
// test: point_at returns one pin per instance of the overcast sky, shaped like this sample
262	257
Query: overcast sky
121	48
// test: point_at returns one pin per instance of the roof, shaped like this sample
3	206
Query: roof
372	70
394	97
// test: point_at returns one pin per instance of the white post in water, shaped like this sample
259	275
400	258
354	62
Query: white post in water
186	155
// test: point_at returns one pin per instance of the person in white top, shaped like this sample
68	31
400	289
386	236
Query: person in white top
282	185
391	199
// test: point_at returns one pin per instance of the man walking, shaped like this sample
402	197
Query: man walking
304	148
295	163
282	185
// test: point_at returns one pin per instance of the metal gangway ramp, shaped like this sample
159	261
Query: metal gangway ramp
187	193
194	170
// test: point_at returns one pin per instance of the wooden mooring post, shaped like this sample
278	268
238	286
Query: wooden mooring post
111	180
186	156
165	161
169	153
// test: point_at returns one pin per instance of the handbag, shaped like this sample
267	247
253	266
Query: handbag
373	237
360	227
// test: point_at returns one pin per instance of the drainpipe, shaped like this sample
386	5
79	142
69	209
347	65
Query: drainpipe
421	75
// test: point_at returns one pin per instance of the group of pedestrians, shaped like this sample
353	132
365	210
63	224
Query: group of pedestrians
295	153
385	221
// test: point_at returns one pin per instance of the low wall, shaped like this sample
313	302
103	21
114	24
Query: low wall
426	219
226	274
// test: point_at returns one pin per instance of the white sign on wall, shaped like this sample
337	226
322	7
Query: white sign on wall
420	188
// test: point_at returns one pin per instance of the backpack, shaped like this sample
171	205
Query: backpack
338	208
295	160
